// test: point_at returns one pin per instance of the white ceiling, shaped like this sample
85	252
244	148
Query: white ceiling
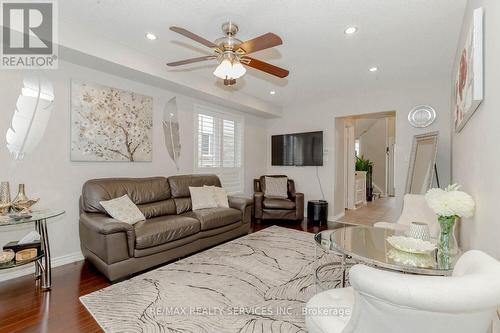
409	40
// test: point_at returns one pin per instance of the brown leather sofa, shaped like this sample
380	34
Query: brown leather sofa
291	208
171	229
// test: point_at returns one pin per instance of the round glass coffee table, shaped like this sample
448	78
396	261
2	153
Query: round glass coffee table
43	267
368	245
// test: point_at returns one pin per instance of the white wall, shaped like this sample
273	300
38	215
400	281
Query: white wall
320	115
372	146
475	149
50	175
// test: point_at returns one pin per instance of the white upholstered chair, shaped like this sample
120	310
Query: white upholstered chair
415	209
390	302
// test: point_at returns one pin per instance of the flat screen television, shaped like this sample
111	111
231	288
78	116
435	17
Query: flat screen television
298	149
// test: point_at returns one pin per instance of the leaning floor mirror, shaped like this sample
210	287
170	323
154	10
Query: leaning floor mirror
421	170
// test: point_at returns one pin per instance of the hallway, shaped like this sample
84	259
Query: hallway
380	210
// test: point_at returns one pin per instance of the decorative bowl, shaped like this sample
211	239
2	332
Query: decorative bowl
20	216
24	205
411	259
411	245
6	256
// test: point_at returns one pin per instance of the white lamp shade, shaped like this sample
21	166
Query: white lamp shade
224	69
238	70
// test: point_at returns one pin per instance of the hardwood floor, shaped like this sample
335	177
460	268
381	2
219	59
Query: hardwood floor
380	210
24	308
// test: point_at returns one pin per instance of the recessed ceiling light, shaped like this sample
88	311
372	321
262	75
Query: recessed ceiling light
373	69
151	36
350	30
272	92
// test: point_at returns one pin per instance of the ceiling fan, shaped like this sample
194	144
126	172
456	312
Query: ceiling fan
232	53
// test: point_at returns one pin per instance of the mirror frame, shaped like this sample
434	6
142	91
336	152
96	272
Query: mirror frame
411	166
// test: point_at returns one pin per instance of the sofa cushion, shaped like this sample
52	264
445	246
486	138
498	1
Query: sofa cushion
179	185
220	195
164	229
276	187
202	197
140	191
260	183
123	210
211	218
158	208
278	204
182	205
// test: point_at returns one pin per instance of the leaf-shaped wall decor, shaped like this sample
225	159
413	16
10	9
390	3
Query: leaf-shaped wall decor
32	114
171	131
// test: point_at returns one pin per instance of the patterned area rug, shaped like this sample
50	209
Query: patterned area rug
256	283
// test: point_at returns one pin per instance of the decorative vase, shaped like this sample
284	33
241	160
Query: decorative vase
4	198
21	194
21	202
447	241
419	230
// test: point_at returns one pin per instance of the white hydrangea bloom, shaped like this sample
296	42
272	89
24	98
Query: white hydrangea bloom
450	202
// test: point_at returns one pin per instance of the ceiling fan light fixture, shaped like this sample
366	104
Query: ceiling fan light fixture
232	53
228	69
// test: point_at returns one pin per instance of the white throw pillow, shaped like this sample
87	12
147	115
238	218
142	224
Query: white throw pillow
123	209
276	187
202	197
220	196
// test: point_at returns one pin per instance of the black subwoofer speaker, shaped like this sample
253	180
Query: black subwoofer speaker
317	211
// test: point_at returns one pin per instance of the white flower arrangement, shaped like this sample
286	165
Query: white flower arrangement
450	202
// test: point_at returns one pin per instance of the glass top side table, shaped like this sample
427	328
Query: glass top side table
368	245
43	267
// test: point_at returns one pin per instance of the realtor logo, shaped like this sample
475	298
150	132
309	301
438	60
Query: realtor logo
29	31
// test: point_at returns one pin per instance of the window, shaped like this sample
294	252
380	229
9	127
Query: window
205	144
219	138
357	147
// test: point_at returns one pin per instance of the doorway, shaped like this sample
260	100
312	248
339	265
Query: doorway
365	159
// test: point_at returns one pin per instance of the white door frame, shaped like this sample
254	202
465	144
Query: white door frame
349	167
391	143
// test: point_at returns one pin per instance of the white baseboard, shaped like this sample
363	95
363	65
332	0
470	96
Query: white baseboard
29	268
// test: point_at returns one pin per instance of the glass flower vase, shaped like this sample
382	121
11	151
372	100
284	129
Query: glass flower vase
447	244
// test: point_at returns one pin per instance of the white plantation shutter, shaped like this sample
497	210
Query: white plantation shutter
219	138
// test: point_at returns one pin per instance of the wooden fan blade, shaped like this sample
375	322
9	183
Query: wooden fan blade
190	61
259	43
194	37
265	67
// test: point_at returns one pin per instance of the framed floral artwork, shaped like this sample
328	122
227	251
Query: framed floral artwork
109	124
468	85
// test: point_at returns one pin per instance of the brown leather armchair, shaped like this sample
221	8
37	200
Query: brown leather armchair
291	208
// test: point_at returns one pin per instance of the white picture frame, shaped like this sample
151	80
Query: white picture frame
469	80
